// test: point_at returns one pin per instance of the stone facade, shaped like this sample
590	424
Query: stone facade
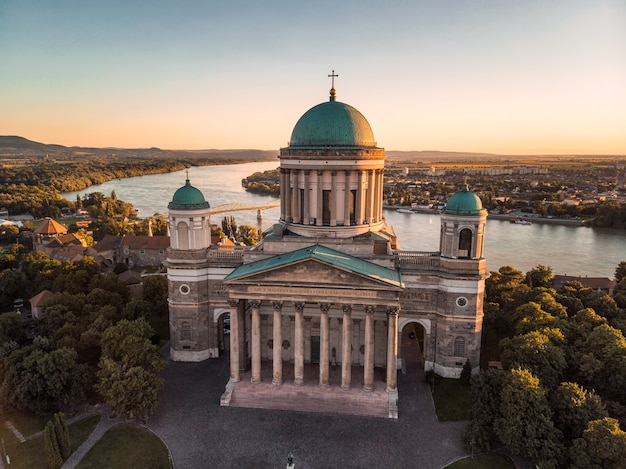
329	284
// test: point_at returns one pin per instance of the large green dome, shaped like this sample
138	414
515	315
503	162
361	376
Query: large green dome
188	198
464	202
332	124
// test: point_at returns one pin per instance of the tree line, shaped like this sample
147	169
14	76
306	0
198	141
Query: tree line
558	399
93	339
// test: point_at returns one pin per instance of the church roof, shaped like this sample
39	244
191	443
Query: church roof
332	124
188	198
325	255
50	227
464	202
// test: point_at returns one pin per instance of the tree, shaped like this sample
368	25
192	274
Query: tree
62	435
524	423
573	408
539	352
128	377
53	453
486	391
229	227
620	271
603	365
539	276
11	328
602	446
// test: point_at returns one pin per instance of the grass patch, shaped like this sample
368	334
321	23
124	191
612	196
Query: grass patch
80	430
32	453
453	399
483	461
127	447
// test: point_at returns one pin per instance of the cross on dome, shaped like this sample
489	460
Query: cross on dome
332	85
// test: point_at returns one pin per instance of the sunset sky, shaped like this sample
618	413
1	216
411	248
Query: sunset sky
498	76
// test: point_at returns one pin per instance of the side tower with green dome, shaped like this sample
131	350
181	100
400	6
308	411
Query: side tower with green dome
463	224
187	275
331	174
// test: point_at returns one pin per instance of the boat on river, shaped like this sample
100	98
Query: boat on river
520	221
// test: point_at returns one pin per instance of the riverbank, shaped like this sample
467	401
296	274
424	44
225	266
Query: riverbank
499	216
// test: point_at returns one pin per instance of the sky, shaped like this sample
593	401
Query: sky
496	76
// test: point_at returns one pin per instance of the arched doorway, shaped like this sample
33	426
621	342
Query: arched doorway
412	339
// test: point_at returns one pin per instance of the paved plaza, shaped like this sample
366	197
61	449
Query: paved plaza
201	434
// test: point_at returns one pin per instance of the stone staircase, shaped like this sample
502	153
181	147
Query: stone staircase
312	398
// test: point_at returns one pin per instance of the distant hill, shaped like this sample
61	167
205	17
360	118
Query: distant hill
13	146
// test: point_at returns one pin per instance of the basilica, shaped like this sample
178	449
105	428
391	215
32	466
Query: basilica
327	309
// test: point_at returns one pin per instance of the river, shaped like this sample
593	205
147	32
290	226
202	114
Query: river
594	252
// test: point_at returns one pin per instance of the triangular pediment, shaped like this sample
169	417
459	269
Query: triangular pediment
314	267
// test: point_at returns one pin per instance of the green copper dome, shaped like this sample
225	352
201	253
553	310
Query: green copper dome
188	198
332	124
464	202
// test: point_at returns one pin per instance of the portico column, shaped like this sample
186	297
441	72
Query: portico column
256	342
324	345
298	362
346	348
277	350
234	340
368	366
392	347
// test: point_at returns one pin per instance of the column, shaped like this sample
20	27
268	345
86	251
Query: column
358	203
296	197
333	198
283	194
368	366
346	202
379	197
256	341
288	212
370	195
234	340
277	350
306	216
320	199
346	348
298	362
375	186
392	347
324	344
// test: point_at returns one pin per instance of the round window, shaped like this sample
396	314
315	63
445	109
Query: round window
461	301
184	289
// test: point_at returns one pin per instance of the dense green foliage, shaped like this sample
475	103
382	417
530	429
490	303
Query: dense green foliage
563	356
58	370
264	183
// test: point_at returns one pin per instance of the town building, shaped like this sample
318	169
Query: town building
327	303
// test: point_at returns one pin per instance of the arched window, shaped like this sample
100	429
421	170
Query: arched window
182	231
185	330
465	243
459	347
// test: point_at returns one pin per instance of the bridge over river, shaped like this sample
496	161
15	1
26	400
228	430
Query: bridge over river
227	208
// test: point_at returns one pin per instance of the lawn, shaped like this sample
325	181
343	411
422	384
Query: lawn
127	446
453	399
483	461
31	454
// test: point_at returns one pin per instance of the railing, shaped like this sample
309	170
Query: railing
226	254
416	258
